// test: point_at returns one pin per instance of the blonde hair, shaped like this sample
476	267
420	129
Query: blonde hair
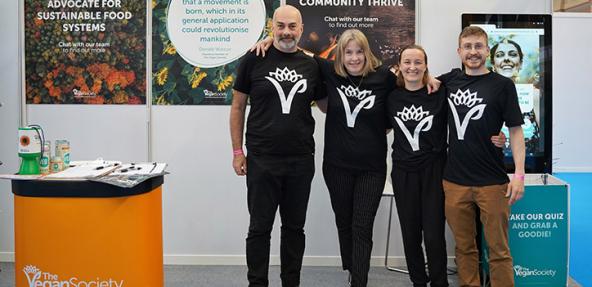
371	62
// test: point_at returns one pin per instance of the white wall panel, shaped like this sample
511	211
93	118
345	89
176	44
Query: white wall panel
9	116
572	99
109	131
204	203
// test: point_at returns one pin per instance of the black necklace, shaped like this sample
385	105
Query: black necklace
352	82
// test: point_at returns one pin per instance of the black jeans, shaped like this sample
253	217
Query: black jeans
420	205
355	196
273	182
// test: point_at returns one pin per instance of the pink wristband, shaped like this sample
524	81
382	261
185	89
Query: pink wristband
519	176
238	151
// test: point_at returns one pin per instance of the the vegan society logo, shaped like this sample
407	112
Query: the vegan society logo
38	278
470	100
364	96
412	113
287	75
522	271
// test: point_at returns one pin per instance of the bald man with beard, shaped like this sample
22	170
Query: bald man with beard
280	145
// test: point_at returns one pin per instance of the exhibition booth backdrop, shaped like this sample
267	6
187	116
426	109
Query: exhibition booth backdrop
194	140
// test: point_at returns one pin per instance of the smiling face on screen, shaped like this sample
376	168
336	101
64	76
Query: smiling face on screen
507	59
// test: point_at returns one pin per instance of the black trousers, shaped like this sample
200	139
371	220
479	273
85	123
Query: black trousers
274	182
355	197
420	204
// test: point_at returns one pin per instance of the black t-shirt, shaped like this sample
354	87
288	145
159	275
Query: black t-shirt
419	124
355	126
281	88
478	106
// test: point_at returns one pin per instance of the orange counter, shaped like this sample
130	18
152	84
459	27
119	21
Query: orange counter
88	234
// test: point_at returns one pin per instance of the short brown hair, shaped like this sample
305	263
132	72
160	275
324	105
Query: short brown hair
358	37
472	31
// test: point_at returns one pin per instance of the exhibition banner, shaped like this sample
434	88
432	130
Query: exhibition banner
389	25
197	46
85	52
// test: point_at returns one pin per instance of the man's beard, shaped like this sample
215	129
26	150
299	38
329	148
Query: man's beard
287	45
474	65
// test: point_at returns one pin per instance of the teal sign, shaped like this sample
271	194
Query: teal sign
538	236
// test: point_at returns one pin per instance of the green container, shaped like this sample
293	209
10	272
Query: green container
29	150
29	164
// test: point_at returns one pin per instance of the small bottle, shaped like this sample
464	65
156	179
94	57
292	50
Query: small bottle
44	163
62	149
57	164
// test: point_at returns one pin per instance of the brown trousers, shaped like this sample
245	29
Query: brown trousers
461	203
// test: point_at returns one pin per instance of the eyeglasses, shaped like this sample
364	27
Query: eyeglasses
477	46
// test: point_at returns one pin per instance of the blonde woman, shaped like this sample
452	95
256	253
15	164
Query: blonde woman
354	165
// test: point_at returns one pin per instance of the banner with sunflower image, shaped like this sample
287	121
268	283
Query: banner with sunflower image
85	52
197	46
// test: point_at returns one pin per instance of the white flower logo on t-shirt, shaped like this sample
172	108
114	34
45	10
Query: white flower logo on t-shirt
470	100
366	102
287	75
414	114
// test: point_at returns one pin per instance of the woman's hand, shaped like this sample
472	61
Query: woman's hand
499	140
262	46
433	84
